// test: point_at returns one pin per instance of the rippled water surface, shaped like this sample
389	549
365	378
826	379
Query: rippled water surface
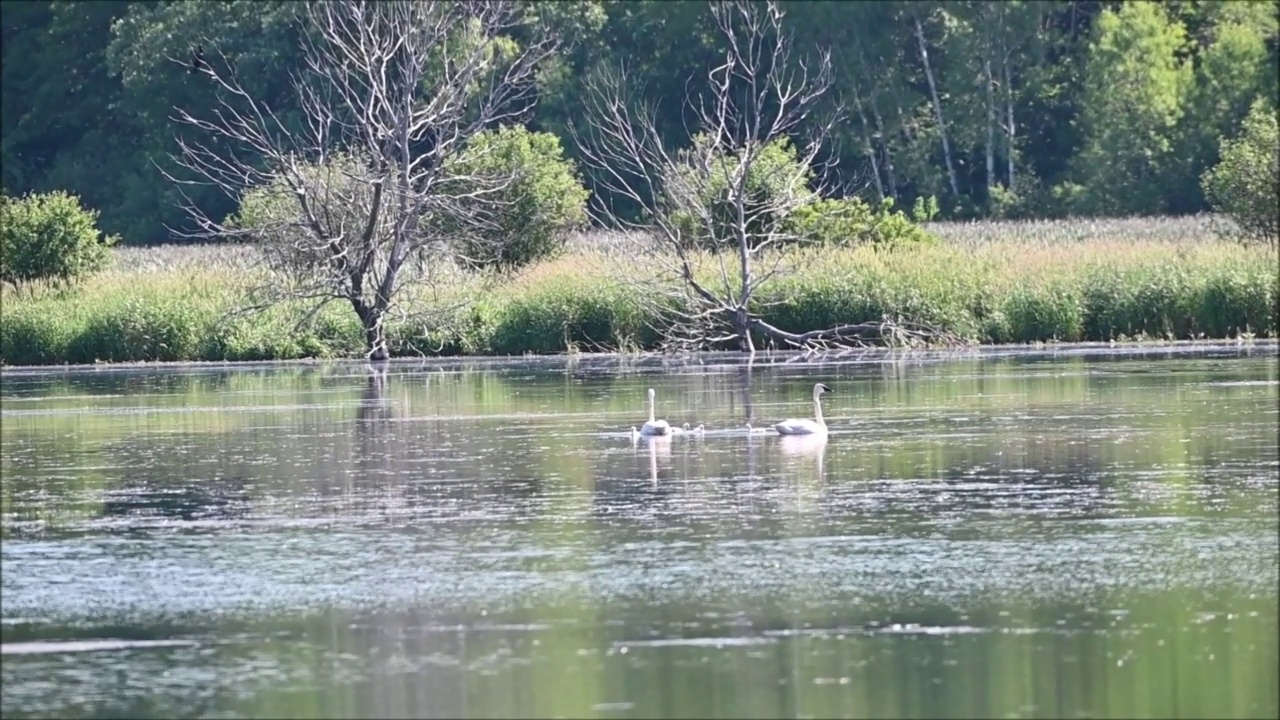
1081	532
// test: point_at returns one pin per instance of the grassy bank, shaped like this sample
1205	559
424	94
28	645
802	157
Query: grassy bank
989	283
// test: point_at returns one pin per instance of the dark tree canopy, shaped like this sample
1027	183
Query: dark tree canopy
995	108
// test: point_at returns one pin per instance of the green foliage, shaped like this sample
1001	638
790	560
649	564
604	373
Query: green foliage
141	328
1117	106
851	221
1246	184
702	187
1233	68
146	56
1042	311
1135	89
994	290
559	79
1005	204
64	126
540	205
49	237
165	317
573	315
925	209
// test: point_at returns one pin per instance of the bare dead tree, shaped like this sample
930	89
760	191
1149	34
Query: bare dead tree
710	195
702	196
390	93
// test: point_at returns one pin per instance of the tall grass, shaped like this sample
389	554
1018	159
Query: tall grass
987	282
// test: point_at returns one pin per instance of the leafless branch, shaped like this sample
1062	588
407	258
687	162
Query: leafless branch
717	217
705	200
342	198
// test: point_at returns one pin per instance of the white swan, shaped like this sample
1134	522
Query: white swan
815	426
654	427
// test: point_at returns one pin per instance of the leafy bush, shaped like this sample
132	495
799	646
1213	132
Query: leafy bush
1245	185
270	215
699	191
49	236
850	221
926	209
543	203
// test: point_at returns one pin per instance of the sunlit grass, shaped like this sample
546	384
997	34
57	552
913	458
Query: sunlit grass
986	282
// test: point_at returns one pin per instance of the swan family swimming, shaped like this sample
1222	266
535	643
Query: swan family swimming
654	428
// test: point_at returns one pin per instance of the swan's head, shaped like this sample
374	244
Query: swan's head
820	388
651	394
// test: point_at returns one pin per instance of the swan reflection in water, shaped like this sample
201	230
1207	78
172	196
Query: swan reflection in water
656	445
803	445
806	446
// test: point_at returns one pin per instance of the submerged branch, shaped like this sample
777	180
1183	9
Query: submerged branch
888	331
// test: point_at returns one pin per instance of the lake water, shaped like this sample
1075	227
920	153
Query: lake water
1082	532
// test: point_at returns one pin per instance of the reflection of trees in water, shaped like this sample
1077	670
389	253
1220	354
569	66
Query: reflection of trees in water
374	405
687	481
216	499
303	459
468	655
745	388
418	466
376	448
135	382
744	380
646	474
186	380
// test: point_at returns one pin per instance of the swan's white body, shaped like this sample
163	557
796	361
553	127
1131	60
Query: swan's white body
816	426
654	427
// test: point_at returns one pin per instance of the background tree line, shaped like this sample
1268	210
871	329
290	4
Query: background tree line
1004	109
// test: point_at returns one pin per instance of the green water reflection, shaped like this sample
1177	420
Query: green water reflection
1070	535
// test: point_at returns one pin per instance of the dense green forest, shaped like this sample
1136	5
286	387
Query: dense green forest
999	109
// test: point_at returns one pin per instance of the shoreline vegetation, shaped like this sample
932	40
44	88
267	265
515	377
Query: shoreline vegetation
985	282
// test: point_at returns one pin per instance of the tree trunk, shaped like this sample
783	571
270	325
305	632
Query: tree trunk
937	106
375	338
888	154
890	181
742	326
1011	129
991	125
870	148
988	47
375	333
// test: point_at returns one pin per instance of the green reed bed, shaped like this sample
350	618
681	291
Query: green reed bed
1008	283
1012	291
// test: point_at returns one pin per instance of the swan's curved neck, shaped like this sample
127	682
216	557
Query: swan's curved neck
817	407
